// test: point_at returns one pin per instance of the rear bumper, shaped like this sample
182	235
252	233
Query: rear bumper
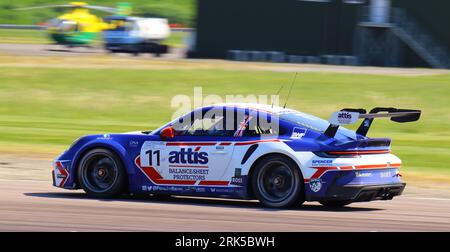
359	193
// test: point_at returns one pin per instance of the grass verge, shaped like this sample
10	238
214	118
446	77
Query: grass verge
42	110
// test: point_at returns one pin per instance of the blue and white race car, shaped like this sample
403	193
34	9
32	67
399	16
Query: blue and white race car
279	156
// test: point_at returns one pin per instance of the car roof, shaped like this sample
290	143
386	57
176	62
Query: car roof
254	106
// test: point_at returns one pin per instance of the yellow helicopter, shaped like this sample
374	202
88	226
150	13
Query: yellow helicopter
79	27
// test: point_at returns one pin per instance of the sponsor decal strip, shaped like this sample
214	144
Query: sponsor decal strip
176	182
211	182
321	170
156	178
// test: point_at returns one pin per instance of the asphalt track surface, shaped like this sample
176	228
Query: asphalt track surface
58	50
32	205
177	56
37	206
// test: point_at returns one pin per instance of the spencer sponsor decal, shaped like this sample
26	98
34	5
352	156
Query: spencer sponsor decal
322	162
188	156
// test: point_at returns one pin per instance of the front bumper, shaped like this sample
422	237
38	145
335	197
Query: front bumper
359	193
61	174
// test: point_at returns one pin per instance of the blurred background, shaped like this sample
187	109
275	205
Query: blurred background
70	69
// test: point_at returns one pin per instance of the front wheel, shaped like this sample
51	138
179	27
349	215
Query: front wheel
277	182
101	173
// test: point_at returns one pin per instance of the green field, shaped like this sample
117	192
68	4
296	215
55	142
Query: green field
177	11
18	36
45	109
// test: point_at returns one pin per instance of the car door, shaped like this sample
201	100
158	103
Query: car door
199	155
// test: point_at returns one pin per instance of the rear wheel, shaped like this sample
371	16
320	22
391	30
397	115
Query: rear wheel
101	173
335	203
277	182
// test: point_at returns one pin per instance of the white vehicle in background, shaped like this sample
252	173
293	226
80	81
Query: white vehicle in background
136	35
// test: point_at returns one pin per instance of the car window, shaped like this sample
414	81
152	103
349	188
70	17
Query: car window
256	128
209	123
314	123
221	122
207	126
120	25
305	120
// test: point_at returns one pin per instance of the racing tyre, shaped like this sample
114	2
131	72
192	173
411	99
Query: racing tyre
335	203
101	173
277	182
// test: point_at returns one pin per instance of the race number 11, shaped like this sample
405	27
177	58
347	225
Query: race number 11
151	154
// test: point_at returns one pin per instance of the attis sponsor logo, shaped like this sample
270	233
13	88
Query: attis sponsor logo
344	115
188	156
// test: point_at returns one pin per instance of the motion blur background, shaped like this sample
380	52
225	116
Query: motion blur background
349	54
407	33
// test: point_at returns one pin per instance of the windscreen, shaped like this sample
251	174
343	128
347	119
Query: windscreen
119	25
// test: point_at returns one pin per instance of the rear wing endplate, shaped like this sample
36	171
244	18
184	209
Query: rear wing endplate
350	116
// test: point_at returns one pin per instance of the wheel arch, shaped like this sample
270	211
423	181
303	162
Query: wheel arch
250	192
114	147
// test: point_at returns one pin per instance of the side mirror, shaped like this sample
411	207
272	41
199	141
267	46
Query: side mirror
167	133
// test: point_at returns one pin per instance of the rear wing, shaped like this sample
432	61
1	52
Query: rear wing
350	116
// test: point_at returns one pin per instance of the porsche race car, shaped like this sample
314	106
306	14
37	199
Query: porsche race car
279	156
